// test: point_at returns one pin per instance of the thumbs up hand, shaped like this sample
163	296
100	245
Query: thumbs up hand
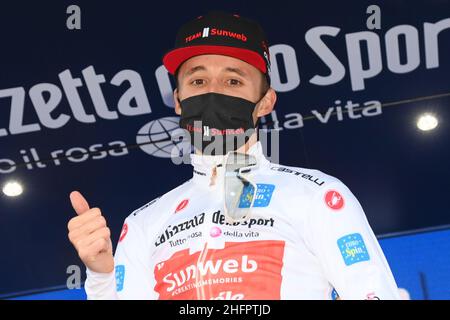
90	235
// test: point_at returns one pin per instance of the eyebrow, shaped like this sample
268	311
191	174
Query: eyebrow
203	68
194	69
236	70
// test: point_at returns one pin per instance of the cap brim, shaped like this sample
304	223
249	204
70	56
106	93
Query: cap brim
173	59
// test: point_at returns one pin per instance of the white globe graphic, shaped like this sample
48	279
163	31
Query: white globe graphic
159	138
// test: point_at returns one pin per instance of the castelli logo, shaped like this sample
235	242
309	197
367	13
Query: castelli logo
124	232
334	200
183	204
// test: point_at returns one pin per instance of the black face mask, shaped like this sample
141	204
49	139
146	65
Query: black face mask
217	123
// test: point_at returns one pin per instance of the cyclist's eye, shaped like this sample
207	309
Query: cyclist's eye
234	82
197	82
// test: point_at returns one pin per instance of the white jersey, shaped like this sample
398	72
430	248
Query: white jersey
307	235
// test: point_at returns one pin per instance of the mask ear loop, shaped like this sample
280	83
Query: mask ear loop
258	119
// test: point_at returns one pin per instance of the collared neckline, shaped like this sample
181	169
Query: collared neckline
207	170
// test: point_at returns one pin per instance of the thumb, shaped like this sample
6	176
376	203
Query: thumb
79	203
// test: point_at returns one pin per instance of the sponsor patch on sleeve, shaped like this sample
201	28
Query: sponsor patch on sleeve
120	277
262	198
353	249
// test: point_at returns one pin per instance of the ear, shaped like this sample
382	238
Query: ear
267	103
177	102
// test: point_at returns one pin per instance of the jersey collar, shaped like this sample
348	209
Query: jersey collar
209	169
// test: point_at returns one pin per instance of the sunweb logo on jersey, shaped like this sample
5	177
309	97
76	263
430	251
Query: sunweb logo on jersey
246	270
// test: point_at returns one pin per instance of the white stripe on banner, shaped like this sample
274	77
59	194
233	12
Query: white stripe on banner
205	32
